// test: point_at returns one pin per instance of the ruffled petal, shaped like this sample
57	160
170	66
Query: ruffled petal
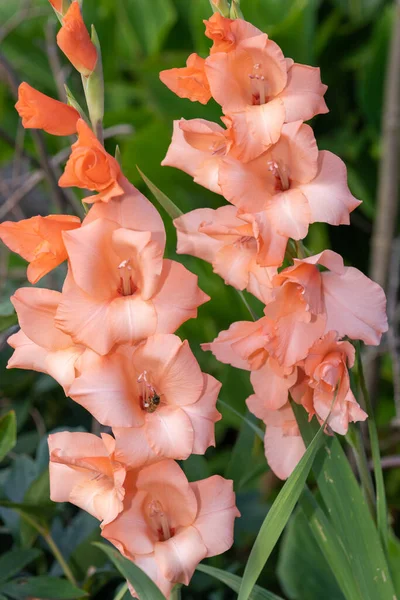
179	556
170	433
303	96
132	447
272	386
203	415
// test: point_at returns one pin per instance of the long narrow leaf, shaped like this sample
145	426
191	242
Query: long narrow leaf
277	518
349	515
234	581
12	562
167	204
144	587
8	433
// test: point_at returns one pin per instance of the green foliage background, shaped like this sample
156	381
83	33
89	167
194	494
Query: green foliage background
349	40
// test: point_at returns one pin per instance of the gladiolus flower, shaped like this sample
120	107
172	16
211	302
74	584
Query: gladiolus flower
57	5
74	40
283	443
120	290
228	33
39	111
85	472
39	241
155	397
190	81
326	388
40	346
291	185
177	523
230	243
91	167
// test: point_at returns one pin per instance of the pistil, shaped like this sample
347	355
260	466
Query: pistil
258	84
126	278
160	520
281	173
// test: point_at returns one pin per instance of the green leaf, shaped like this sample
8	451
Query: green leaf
167	204
234	581
242	460
394	561
302	569
37	494
8	433
14	561
51	588
247	420
359	11
277	518
349	515
145	588
150	22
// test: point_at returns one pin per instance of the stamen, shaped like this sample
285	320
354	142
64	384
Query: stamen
217	148
126	279
150	400
281	173
160	520
258	84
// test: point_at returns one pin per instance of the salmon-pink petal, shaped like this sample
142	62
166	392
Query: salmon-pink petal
271	387
216	513
132	447
178	297
97	497
246	185
203	415
77	444
328	194
63	479
150	566
93	261
166	482
106	388
60	364
303	95
131	519
132	210
256	128
232	263
228	33
237	345
131	319
282	452
179	556
172	367
170	432
329	259
260	282
355	305
36	309
144	258
294	337
290	214
190	81
297	152
191	240
273	245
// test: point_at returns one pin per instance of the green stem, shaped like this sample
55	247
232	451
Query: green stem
52	545
123	589
176	593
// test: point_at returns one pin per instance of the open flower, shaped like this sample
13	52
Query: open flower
283	443
326	386
91	167
291	185
39	241
260	90
120	290
74	40
228	33
40	346
155	397
169	525
230	243
84	471
190	81
39	111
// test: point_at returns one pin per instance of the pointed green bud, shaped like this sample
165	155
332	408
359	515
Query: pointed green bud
235	12
220	6
93	86
118	155
71	100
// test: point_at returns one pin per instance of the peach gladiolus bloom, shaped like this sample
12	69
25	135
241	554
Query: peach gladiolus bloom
327	379
122	290
84	471
155	397
74	40
91	167
291	185
228	33
260	90
231	243
176	523
190	81
39	345
283	443
39	111
39	241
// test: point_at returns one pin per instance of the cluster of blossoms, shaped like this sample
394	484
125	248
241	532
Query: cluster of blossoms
265	162
108	339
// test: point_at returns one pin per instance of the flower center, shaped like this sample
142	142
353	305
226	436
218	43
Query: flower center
149	399
218	147
126	287
281	174
244	242
258	85
160	521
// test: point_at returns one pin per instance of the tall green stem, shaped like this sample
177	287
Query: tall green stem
176	593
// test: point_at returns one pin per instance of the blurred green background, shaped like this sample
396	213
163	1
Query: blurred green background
349	40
